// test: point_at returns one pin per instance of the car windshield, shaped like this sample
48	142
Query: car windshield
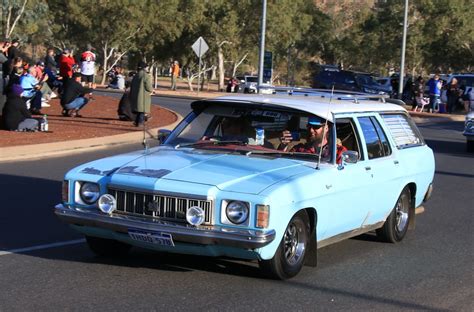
254	132
252	79
366	80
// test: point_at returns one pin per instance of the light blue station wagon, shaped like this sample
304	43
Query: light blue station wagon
269	178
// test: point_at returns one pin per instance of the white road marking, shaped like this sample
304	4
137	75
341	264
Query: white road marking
52	245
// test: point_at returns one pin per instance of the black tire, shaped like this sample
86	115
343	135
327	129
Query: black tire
246	90
107	247
470	146
396	226
289	257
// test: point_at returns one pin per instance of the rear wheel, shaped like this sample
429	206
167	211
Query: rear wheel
289	257
107	247
470	146
396	225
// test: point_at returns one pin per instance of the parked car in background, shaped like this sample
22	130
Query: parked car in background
465	81
248	84
327	77
223	183
386	83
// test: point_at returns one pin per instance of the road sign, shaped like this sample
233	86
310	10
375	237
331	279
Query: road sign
267	67
200	47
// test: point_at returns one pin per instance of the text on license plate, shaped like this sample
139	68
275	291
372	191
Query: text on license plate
158	238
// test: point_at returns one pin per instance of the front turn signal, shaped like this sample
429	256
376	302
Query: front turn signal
263	216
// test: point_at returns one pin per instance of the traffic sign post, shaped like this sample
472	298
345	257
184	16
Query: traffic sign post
200	47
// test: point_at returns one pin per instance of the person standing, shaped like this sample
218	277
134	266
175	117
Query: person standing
88	66
141	90
435	91
418	89
50	61
66	62
174	74
453	94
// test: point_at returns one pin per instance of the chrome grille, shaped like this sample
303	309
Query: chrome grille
166	207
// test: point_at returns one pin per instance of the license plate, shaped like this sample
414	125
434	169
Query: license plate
158	238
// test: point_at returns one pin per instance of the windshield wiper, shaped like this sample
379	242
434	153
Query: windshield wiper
284	154
210	142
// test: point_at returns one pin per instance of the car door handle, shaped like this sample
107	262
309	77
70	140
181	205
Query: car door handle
395	162
368	168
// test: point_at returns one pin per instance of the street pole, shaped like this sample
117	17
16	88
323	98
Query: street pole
404	42
262	45
199	72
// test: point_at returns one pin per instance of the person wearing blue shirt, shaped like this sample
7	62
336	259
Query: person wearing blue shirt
435	85
31	91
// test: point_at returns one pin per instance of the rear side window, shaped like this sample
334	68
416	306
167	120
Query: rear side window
403	130
375	139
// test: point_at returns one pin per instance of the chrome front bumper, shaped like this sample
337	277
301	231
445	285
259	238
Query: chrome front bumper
203	235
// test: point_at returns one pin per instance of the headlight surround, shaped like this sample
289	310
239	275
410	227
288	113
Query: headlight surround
89	192
237	212
469	126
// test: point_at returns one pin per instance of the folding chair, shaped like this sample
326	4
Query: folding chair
421	102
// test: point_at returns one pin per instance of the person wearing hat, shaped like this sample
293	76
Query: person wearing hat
73	98
316	139
66	62
140	94
15	115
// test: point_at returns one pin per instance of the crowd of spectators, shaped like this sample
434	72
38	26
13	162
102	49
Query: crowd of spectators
27	87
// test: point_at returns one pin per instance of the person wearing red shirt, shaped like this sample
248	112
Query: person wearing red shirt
66	62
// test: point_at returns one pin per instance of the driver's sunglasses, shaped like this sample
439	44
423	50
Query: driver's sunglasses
315	127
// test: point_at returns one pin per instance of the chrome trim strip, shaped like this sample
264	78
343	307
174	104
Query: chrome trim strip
346	235
163	193
205	235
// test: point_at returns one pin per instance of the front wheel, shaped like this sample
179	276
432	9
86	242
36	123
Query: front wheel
289	257
396	225
107	247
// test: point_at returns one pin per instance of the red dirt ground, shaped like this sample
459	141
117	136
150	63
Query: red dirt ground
99	119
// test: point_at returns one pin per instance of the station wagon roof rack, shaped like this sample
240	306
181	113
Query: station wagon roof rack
323	93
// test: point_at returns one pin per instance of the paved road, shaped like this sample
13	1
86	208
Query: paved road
432	269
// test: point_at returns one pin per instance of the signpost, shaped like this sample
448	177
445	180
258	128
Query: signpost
200	47
267	67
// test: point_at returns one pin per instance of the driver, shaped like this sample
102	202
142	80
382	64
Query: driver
316	140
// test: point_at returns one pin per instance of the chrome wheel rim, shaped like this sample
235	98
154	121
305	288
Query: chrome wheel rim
294	244
402	213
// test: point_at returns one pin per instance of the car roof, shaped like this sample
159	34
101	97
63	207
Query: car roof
323	107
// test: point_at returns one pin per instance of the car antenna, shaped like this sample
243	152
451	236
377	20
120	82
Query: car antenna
325	127
144	143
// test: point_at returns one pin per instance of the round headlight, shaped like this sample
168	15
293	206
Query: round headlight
107	203
89	192
237	212
195	215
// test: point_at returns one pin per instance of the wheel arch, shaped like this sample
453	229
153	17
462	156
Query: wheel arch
311	258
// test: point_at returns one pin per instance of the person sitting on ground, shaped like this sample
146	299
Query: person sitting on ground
43	77
316	140
118	80
15	115
73	97
32	91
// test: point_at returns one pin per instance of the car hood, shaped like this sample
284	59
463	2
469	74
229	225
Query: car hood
228	172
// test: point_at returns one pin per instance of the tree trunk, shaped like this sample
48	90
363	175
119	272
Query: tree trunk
220	57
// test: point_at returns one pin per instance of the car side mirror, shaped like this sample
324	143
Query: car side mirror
350	157
163	134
